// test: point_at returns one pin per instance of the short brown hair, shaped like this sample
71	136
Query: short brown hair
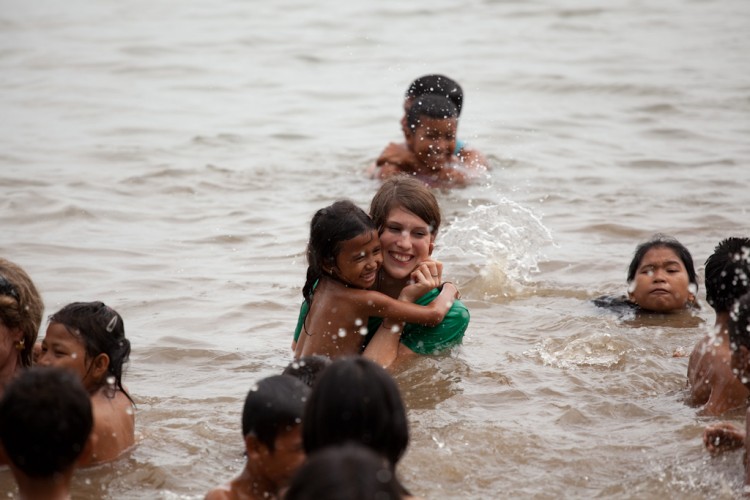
410	194
21	307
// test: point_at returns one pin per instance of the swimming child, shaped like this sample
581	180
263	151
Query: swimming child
88	338
344	257
408	218
307	368
710	377
725	436
661	279
401	157
45	429
272	431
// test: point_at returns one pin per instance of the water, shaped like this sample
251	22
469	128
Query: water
166	158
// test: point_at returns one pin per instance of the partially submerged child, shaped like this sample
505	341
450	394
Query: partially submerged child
88	338
661	279
344	258
307	369
271	428
432	123
45	429
725	436
401	157
710	377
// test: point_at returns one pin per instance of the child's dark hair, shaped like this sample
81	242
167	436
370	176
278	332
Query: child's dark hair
45	421
728	273
307	368
664	241
739	323
329	228
274	405
356	400
437	85
430	106
348	472
102	330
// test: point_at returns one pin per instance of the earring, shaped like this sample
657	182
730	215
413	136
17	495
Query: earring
20	345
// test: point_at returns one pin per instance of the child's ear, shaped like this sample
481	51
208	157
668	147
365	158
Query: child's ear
99	366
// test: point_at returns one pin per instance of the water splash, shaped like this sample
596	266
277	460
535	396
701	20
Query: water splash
498	247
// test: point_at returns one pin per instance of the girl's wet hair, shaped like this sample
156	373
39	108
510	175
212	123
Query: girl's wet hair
408	193
429	106
356	400
664	241
329	228
20	306
728	273
102	330
437	85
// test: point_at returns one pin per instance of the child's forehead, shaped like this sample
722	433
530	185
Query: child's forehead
428	122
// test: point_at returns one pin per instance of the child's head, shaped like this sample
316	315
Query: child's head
344	245
89	338
431	125
347	472
436	85
271	425
45	421
728	273
20	311
739	338
408	218
661	276
356	400
307	368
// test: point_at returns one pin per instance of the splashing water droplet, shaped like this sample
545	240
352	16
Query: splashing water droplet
342	332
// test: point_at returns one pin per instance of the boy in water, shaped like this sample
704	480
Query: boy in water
403	158
725	436
45	429
710	376
271	425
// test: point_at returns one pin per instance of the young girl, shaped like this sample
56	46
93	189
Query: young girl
344	258
89	339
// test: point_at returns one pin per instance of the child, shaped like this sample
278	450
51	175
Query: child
307	368
725	436
271	426
45	428
401	157
344	257
347	472
408	218
89	339
21	310
357	401
661	279
709	373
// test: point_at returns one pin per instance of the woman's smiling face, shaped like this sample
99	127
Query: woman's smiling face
406	241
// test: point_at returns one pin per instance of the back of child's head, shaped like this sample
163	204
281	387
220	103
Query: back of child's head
664	241
356	400
429	106
276	404
45	421
348	472
307	369
330	227
20	306
102	330
739	322
728	273
408	193
437	85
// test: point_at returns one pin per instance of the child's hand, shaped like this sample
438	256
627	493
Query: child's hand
722	437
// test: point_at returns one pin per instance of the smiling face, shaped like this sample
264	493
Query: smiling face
433	141
359	259
661	282
407	240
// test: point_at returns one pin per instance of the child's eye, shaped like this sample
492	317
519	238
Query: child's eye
376	251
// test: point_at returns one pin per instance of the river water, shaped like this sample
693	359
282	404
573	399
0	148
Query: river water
166	157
